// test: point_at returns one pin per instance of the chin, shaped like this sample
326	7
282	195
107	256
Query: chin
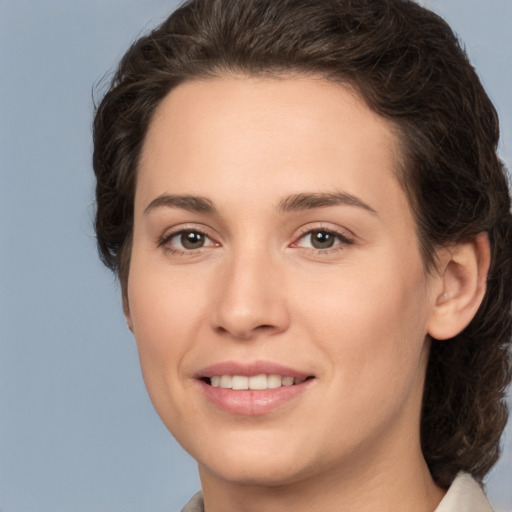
257	473
256	463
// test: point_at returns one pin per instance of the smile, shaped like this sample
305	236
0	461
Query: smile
253	389
254	383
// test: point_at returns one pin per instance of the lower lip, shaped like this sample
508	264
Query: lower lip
253	403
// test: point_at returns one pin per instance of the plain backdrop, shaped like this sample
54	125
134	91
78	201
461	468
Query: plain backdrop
77	431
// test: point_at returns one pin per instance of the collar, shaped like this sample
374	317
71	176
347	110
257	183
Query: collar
465	494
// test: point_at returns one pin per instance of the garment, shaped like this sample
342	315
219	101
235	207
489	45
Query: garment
196	504
464	495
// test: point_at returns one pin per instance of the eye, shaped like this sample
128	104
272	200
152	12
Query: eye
322	239
188	240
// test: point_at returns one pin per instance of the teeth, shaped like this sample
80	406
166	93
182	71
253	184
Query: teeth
256	382
240	382
226	381
274	381
287	381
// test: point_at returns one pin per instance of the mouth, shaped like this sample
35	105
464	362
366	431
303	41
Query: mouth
253	389
253	383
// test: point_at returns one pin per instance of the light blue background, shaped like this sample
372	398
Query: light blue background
77	431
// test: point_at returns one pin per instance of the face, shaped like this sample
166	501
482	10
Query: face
276	290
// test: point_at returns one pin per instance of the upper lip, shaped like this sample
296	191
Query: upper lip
250	369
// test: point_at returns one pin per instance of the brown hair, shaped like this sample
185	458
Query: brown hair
409	67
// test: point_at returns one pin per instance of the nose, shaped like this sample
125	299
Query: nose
251	298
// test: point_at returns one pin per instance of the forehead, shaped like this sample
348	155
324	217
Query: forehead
307	106
265	136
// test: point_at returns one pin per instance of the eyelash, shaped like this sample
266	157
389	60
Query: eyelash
168	247
342	241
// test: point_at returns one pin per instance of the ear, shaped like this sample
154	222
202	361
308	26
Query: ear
463	276
126	310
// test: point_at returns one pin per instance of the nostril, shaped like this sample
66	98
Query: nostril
264	327
242	333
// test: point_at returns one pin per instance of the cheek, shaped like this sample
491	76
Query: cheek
370	322
366	297
163	314
370	330
163	304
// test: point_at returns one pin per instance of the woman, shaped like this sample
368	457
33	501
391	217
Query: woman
312	231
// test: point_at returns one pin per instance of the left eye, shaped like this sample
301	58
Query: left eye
321	239
189	240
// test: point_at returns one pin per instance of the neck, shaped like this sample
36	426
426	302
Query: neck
393	483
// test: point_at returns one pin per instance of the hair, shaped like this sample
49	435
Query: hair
408	66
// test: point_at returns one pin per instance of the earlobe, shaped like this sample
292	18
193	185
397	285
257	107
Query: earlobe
463	273
126	311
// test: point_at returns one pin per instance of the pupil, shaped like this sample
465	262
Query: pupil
322	239
192	240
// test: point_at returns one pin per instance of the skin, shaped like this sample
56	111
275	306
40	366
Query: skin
354	316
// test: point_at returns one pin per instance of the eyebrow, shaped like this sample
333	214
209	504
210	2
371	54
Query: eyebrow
322	200
183	202
296	202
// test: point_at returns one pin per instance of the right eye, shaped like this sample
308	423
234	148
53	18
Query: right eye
187	240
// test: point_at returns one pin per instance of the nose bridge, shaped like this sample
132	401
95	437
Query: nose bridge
251	298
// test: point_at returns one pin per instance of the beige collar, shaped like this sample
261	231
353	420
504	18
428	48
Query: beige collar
464	495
